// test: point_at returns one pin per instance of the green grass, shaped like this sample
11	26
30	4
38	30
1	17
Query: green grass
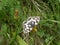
11	25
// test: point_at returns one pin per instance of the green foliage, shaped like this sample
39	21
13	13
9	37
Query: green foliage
48	30
21	41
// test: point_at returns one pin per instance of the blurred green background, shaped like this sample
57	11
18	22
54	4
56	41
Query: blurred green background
14	12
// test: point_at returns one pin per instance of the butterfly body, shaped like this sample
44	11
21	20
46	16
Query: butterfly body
30	24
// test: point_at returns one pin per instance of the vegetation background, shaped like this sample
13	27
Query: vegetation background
14	12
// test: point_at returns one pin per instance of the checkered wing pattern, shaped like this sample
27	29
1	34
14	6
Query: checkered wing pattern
30	23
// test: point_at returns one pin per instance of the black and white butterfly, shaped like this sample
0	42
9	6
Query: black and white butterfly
30	23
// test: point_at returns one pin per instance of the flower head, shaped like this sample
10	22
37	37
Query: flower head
16	14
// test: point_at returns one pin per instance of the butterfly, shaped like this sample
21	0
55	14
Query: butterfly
30	24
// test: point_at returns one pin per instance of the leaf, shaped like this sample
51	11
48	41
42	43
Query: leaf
31	41
4	2
59	43
4	28
4	31
21	41
40	33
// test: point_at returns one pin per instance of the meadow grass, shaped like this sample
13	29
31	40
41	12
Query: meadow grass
11	27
